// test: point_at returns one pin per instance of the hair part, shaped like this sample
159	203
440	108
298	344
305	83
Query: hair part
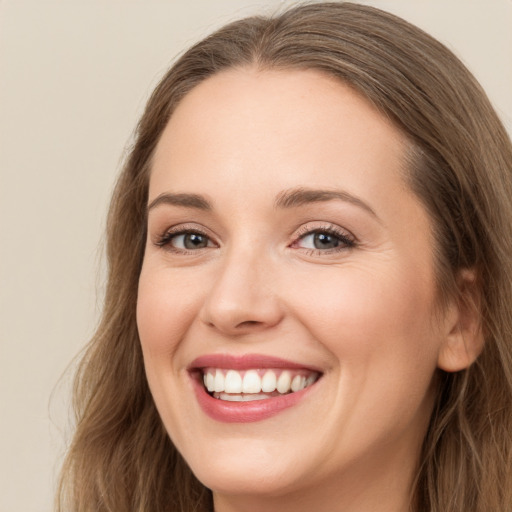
459	163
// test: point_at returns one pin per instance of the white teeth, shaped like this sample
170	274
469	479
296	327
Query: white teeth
233	385
210	382
233	382
284	382
251	382
311	380
218	383
268	382
243	398
298	383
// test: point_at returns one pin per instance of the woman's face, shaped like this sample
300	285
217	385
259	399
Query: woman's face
285	249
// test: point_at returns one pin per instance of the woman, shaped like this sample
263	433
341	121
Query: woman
309	291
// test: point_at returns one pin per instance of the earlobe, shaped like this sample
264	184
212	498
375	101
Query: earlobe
463	340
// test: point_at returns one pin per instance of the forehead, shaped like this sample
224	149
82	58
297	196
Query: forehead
294	125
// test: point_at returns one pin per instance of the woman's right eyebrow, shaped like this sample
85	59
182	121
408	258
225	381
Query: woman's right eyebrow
185	200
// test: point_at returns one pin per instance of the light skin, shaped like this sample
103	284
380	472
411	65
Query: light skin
240	165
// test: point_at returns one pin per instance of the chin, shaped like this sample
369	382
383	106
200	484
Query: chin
257	478
245	465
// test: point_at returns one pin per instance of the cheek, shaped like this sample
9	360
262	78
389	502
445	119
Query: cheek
165	309
379	329
365	316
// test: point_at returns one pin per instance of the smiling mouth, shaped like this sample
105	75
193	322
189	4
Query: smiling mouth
255	384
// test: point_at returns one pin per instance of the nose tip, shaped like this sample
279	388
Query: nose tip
234	321
241	301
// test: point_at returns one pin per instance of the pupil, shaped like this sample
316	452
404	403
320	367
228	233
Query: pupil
195	241
325	241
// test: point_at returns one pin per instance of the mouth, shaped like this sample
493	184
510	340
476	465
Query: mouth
255	384
249	388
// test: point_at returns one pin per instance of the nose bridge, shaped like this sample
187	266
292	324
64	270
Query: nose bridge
242	296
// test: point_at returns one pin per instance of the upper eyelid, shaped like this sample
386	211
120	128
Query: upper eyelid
186	227
330	227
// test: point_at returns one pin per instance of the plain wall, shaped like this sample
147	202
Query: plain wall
74	76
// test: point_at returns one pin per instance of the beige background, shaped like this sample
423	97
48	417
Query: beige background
74	76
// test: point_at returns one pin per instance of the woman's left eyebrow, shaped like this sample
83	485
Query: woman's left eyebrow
300	196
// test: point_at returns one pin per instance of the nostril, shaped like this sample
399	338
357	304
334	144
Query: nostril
248	323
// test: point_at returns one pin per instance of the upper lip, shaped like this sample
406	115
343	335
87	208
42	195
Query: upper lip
246	362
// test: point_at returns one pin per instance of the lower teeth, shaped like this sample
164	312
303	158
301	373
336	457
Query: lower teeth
244	397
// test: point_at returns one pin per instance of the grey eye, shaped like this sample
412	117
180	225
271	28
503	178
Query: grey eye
190	241
320	240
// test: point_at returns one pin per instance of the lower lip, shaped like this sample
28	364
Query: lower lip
245	412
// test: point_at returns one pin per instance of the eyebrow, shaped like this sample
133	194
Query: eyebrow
301	196
185	200
291	198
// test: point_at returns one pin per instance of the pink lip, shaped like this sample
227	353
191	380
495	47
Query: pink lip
243	412
245	362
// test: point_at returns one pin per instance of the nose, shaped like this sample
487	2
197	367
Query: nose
243	297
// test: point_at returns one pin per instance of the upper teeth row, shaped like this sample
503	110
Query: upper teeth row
250	382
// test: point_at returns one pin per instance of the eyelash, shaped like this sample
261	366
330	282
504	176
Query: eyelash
347	240
164	240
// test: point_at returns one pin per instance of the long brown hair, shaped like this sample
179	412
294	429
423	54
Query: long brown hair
121	458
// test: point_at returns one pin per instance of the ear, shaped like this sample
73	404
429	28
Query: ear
463	339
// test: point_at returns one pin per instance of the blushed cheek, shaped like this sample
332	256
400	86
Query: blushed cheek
167	306
362	315
159	334
156	320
